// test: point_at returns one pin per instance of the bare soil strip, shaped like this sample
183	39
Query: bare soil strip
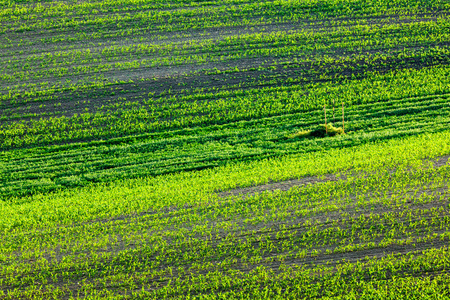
281	186
246	192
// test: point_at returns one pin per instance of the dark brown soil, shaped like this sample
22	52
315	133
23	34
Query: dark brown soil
288	184
280	186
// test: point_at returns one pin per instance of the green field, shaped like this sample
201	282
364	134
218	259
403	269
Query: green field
154	149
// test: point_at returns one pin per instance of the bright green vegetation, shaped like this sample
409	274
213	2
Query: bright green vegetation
95	92
128	128
381	228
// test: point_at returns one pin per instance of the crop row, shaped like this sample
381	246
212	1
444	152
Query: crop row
252	104
164	193
340	37
164	152
87	62
275	74
204	17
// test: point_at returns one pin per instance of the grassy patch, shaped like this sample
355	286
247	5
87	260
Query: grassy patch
321	130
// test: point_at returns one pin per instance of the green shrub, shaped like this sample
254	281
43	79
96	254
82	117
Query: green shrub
330	130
